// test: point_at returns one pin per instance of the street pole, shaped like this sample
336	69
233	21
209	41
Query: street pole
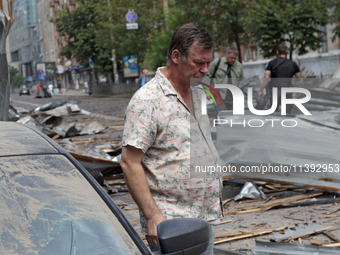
114	61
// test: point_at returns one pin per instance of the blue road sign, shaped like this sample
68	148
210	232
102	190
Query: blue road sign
131	16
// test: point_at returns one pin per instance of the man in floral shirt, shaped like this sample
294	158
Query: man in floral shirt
166	136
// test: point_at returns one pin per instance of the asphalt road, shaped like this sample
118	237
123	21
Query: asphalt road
104	105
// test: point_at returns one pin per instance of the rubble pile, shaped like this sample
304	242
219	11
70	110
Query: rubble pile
84	136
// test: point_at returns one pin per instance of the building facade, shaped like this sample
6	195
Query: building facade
24	44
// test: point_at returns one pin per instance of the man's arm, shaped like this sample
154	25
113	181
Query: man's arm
139	189
265	81
297	75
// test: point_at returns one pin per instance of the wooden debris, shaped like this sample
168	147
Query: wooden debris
135	223
332	245
319	243
331	236
309	233
334	211
291	218
226	201
260	224
240	234
222	222
245	234
330	216
270	198
333	221
264	207
55	137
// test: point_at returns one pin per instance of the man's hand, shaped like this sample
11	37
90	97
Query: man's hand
260	93
152	224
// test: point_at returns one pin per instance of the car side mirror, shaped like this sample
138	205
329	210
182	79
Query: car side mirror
183	236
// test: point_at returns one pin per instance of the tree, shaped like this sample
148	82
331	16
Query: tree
82	30
294	22
16	79
159	39
224	19
335	18
113	26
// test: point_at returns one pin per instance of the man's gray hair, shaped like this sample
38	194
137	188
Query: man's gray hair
233	50
185	36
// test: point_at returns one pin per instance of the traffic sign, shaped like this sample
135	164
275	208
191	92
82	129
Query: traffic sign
131	26
131	16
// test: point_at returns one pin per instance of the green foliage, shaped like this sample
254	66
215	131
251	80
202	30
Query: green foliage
293	22
159	39
113	26
335	17
16	79
224	19
82	29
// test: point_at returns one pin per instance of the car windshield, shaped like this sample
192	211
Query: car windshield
48	207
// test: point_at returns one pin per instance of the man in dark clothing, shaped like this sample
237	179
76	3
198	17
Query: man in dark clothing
280	70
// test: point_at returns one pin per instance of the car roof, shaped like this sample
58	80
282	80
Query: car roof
23	141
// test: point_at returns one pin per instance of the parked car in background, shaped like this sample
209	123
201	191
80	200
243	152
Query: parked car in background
51	205
24	90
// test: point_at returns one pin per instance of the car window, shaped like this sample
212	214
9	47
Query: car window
48	207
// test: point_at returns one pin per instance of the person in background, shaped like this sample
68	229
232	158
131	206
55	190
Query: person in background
59	86
38	90
281	71
143	78
226	70
44	89
50	88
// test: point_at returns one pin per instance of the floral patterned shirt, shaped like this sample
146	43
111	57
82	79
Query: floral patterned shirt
174	141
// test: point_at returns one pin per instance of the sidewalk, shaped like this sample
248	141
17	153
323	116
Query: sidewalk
71	92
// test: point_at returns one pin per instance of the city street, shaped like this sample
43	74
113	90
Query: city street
110	105
109	112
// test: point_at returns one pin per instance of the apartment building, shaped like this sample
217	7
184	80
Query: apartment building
23	38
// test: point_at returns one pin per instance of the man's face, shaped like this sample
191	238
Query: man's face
197	63
231	58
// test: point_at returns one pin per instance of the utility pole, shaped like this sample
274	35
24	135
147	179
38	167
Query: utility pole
114	60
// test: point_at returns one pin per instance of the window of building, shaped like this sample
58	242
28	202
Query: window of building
246	54
254	51
323	37
15	56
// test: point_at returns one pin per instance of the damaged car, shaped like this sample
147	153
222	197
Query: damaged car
51	205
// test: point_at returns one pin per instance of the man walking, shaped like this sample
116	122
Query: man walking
227	70
142	78
280	70
161	121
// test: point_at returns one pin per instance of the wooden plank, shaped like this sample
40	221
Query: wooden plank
331	236
266	206
255	231
222	222
332	245
309	233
